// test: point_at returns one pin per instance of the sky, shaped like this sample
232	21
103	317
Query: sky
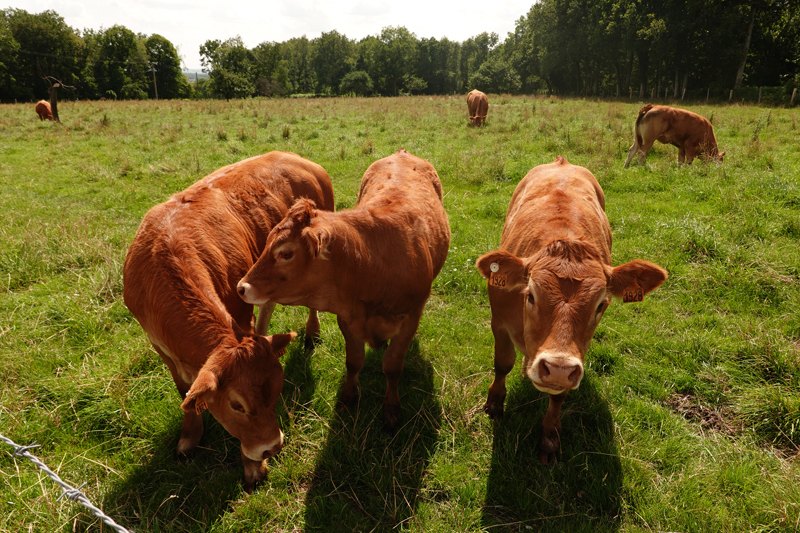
189	23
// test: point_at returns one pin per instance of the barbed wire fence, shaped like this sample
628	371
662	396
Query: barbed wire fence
69	491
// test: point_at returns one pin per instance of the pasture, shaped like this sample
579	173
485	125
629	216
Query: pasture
688	418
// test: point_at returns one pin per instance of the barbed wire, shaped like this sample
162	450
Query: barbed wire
69	491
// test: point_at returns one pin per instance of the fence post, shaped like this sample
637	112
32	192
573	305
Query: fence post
683	93
794	93
759	95
630	95
707	92
652	92
730	96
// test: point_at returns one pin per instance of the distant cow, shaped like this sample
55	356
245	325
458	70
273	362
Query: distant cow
550	283
180	278
478	106
372	265
692	134
43	110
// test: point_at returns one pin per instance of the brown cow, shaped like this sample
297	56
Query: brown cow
180	278
478	106
550	283
43	110
372	265
692	134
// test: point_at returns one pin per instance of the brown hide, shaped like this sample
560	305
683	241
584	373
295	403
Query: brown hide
372	265
550	283
692	134
478	106
43	110
180	278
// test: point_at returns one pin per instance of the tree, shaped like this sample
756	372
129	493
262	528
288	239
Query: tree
170	81
496	76
474	51
357	82
8	59
231	67
121	65
333	55
45	46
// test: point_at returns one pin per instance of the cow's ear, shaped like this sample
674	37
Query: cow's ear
317	239
633	280
201	392
302	211
503	270
280	341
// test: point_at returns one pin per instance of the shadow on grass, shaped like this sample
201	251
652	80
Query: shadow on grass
579	493
366	479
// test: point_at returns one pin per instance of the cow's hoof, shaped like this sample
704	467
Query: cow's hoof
184	456
391	417
548	446
494	410
348	398
311	341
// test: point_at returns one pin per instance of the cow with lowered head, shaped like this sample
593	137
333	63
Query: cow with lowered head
478	106
692	134
180	279
550	283
372	265
43	110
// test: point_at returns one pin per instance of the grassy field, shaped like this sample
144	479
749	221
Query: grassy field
688	419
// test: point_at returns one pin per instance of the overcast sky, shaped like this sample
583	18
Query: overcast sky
189	23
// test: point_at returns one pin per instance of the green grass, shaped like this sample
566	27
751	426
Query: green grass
688	418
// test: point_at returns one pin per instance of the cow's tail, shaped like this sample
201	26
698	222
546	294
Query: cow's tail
642	112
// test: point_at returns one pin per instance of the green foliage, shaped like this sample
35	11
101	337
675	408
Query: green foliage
357	82
496	76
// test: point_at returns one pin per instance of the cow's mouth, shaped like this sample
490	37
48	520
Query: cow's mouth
548	390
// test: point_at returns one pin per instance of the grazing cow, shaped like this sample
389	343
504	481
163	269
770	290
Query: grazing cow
180	278
692	134
478	106
43	110
372	265
550	283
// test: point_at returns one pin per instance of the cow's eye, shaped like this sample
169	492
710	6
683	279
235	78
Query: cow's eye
531	299
601	307
237	407
285	255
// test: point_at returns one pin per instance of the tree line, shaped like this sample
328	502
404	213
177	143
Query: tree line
564	47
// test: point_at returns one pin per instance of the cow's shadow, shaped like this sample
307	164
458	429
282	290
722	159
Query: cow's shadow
581	492
366	479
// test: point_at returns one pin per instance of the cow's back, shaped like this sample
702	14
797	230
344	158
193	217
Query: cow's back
556	201
189	253
401	196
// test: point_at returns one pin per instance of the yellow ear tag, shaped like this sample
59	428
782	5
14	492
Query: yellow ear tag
200	406
633	293
495	278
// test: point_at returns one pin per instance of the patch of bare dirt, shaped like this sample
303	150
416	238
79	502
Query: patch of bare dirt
713	417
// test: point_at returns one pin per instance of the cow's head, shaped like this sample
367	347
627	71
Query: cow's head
290	263
240	386
565	289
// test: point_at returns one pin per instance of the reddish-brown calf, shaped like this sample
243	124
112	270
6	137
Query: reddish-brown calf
550	283
180	278
692	134
372	265
478	106
43	110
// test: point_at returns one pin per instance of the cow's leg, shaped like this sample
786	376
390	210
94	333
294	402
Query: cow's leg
504	358
354	349
312	330
551	428
254	472
681	156
691	153
393	360
631	153
192	425
264	316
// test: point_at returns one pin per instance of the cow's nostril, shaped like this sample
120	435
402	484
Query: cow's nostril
575	375
544	372
241	290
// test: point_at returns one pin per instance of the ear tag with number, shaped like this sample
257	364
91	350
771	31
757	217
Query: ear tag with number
496	279
633	293
200	406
